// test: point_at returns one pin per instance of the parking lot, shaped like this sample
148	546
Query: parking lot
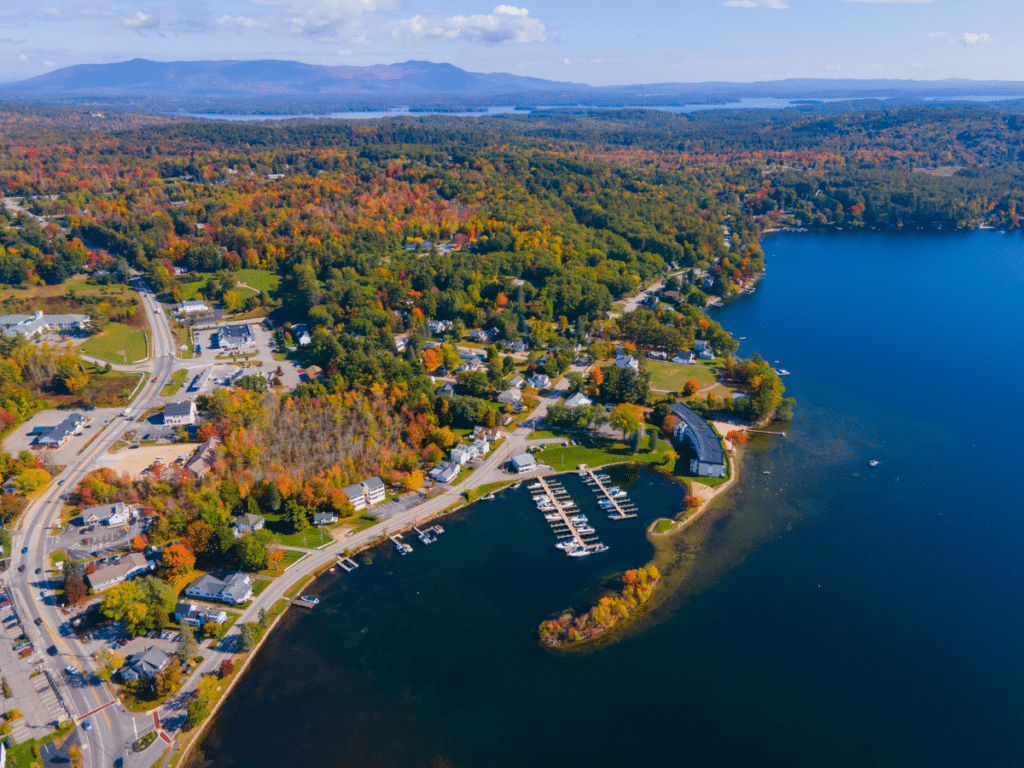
81	541
32	692
24	437
262	354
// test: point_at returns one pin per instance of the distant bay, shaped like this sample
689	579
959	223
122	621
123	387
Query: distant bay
824	614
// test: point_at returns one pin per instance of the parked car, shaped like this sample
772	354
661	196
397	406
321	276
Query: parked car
86	725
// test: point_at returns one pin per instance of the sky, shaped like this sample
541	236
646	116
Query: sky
600	42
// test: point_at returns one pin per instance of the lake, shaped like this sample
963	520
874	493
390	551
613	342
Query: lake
825	614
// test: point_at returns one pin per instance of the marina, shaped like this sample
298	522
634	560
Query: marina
576	537
612	499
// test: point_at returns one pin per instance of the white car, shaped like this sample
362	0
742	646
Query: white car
70	670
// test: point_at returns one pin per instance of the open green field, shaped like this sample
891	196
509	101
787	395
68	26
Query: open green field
176	381
672	378
119	343
290	557
260	279
598	451
76	285
258	586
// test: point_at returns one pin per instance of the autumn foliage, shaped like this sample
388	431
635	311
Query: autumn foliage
737	436
637	587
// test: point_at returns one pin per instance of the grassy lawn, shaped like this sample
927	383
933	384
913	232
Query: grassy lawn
260	279
597	452
539	434
664	525
184	336
672	378
78	285
483	490
282	529
466	472
258	586
175	383
290	557
298	587
20	755
119	343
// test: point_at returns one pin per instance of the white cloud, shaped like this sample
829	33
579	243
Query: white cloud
888	1
477	28
229	22
776	4
973	38
565	61
141	21
511	10
937	34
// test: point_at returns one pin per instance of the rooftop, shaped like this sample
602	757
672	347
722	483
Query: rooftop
705	441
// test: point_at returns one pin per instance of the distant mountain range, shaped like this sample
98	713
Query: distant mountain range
272	84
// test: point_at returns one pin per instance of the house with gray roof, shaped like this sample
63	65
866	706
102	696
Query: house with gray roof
247	523
698	434
233	589
235	337
194	616
148	664
180	413
324	518
374	489
56	436
578	400
38	322
127	567
356	495
444	472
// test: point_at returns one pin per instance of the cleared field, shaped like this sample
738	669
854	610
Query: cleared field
260	279
672	378
176	381
77	285
119	343
191	289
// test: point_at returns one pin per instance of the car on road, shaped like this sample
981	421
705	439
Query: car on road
52	650
44	593
38	622
70	670
38	571
21	569
60	482
24	550
86	725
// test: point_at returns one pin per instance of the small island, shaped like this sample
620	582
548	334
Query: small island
637	587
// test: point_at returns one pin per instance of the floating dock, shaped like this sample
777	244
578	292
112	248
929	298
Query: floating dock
558	511
347	563
427	536
401	546
621	508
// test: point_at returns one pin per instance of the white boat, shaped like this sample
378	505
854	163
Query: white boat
567	545
578	519
585	530
872	463
534	486
579	552
783	372
552	517
599	548
606	503
766	472
612	491
619	494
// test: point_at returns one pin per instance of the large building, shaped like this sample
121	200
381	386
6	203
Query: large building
235	337
367	493
202	461
30	325
56	436
180	413
234	589
107	514
125	568
697	433
524	462
194	616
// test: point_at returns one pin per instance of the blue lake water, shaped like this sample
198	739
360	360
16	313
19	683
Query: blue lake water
825	614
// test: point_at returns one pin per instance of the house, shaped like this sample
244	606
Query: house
180	413
300	335
444	472
480	447
694	431
479	336
247	523
505	419
147	664
126	567
375	490
524	462
235	337
489	434
37	323
461	454
233	589
446	389
707	354
314	372
539	381
56	436
510	397
192	307
672	296
107	514
194	616
324	518
517	382
700	345
519	347
579	400
357	496
627	361
655	355
438	327
401	342
202	461
683	358
473	364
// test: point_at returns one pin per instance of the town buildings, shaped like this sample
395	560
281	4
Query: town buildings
39	323
180	413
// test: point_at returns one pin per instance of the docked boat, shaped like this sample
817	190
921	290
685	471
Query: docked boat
578	552
535	486
438	530
488	497
552	517
585	530
578	519
599	548
567	545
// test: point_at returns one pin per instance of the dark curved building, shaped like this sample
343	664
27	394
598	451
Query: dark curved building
696	432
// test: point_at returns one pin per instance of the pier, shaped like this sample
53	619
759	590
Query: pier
623	510
427	536
558	511
347	563
401	546
765	432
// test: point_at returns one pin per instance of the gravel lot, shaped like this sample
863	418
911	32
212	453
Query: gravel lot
134	460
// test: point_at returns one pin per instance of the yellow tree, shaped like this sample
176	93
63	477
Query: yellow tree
627	418
126	602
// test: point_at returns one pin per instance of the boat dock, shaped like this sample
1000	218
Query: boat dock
401	546
300	603
620	507
427	536
347	563
576	538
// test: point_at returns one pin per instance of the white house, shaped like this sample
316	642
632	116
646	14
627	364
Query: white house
300	335
683	358
539	381
56	436
697	433
510	397
233	589
235	337
357	496
627	361
247	523
36	323
193	307
579	400
462	454
148	664
655	355
126	567
444	472
194	616
516	382
107	514
375	490
180	413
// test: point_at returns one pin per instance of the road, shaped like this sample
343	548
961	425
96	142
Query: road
113	729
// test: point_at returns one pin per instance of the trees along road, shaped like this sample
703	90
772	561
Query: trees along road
114	728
